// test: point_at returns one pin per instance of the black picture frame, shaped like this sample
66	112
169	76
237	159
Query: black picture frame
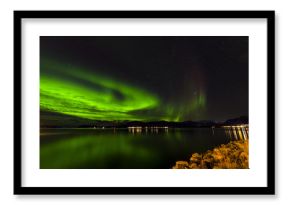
268	190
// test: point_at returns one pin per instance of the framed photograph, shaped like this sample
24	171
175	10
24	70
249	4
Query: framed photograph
144	102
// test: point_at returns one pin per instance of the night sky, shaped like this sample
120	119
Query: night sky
144	78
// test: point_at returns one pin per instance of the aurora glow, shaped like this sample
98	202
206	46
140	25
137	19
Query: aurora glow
95	97
72	98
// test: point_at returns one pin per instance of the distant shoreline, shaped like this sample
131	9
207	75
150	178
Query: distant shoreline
125	124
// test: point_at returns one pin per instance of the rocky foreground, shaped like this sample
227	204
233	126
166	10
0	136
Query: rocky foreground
234	155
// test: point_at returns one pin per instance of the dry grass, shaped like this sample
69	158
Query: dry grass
234	155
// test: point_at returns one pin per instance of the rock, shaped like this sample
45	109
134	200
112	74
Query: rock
233	155
193	166
195	158
181	165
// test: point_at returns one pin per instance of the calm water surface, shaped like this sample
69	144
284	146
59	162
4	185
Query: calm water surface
121	149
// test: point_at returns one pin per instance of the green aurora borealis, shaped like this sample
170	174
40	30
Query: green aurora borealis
77	91
142	78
